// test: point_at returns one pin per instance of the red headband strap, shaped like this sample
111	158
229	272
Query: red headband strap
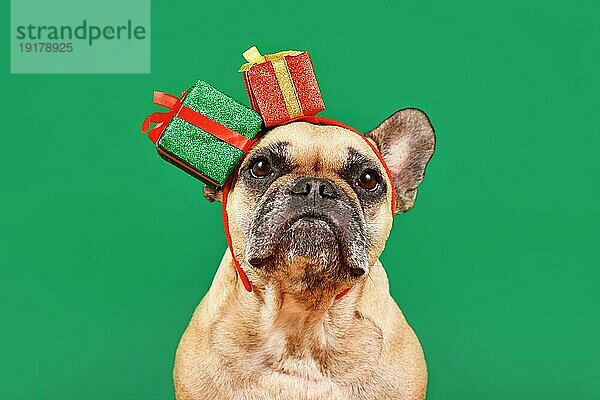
227	188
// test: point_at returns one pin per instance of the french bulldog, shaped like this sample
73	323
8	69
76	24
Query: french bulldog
309	212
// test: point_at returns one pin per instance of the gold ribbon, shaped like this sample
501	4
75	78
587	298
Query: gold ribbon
253	56
282	73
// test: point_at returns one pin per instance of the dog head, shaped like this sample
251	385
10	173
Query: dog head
311	206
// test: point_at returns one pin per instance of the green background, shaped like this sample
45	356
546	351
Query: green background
106	249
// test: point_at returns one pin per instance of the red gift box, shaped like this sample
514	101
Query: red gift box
281	86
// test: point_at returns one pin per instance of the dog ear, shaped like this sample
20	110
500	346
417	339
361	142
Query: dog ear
406	141
213	194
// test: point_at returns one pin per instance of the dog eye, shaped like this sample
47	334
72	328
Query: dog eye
260	168
368	180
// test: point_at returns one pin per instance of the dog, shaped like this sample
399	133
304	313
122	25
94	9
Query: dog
309	213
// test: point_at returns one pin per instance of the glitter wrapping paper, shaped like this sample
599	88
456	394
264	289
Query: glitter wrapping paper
282	87
199	152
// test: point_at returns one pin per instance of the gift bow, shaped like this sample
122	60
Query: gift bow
176	108
253	56
161	119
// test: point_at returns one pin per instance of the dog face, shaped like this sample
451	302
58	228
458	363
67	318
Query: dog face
310	209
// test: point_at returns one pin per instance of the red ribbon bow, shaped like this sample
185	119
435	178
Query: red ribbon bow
161	119
176	108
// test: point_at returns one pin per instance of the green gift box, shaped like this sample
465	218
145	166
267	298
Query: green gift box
205	132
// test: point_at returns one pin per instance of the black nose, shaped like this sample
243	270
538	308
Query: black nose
313	187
